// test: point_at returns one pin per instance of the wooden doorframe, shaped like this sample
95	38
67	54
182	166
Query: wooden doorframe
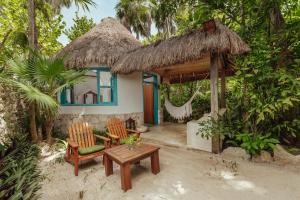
155	94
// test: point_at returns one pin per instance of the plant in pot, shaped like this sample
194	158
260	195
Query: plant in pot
132	141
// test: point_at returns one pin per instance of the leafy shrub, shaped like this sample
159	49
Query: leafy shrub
99	132
19	174
255	144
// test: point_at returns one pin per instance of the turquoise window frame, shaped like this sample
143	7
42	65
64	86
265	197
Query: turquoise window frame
114	92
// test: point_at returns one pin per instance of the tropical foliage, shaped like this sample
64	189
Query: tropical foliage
38	80
30	81
263	96
19	174
135	16
80	27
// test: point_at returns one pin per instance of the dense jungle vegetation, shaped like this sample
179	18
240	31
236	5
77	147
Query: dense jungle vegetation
263	96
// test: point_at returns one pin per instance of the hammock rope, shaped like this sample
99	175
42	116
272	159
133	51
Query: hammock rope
181	112
184	111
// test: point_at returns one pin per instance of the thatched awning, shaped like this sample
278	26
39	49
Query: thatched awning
187	48
101	46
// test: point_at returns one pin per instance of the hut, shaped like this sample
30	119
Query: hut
205	52
124	75
102	94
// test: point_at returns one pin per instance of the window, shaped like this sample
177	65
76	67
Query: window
98	88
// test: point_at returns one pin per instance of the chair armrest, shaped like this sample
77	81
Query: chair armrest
107	143
138	133
132	131
114	137
105	139
72	143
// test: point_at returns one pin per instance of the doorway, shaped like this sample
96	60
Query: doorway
150	87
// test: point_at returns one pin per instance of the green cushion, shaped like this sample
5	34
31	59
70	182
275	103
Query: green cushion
92	149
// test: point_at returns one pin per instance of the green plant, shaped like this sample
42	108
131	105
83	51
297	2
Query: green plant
62	143
255	144
130	140
80	27
39	80
19	174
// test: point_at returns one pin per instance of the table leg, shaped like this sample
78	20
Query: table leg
155	163
125	176
108	163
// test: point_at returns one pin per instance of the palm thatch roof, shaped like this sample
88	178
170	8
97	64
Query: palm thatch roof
101	46
185	48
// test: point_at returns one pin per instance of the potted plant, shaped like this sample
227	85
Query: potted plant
132	141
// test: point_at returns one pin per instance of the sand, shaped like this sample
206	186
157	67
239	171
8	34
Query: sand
185	174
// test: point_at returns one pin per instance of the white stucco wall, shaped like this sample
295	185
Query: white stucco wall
130	98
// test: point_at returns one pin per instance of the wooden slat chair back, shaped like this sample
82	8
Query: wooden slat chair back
116	127
117	130
82	144
82	134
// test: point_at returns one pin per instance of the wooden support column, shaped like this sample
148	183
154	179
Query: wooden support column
214	104
223	87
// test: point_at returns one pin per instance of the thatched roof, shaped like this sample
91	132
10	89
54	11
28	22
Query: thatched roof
181	49
101	46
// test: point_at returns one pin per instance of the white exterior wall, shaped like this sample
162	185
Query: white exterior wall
130	99
129	104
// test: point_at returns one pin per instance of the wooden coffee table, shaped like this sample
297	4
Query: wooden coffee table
125	157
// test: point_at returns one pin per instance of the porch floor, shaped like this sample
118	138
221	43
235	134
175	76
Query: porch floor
169	134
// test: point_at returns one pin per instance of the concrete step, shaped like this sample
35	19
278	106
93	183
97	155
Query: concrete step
167	144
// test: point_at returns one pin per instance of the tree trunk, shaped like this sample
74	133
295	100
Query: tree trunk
32	29
38	123
32	122
49	123
277	25
32	38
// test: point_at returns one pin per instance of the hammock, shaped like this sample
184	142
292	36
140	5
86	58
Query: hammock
183	111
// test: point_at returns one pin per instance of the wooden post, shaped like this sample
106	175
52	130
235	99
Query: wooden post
214	104
223	87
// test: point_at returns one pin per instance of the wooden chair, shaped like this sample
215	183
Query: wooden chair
117	130
82	144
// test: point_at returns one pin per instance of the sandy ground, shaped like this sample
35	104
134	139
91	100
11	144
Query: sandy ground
184	175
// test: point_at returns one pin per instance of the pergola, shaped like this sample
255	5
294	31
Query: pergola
206	52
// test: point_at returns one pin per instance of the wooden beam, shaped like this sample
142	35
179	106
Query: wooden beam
223	87
214	104
196	65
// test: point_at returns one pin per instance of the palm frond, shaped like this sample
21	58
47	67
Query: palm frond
70	78
20	68
31	94
85	4
58	4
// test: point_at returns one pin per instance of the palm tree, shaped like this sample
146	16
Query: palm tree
58	4
52	77
135	15
164	16
33	39
39	80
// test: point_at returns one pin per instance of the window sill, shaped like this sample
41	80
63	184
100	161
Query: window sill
100	104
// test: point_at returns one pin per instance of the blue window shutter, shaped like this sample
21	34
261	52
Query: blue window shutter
114	88
63	96
98	86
